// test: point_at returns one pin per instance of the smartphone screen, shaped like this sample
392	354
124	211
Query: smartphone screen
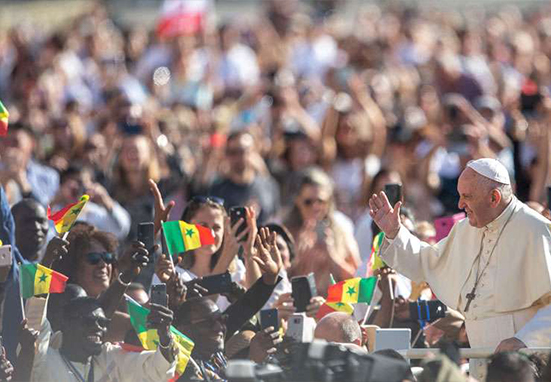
146	235
216	284
237	213
269	317
158	294
393	192
548	198
303	289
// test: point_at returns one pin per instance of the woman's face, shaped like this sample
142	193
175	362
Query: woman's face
135	153
93	273
214	219
284	250
313	202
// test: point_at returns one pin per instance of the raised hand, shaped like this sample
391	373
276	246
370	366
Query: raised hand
263	344
285	306
176	290
384	215
267	258
133	260
164	269
56	249
314	306
161	211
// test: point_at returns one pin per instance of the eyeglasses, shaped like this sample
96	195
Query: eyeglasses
95	257
206	199
310	202
217	317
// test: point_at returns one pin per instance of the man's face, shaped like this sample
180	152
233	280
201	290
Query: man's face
31	228
239	153
87	330
475	200
207	328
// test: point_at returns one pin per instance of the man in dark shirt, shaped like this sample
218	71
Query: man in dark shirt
244	185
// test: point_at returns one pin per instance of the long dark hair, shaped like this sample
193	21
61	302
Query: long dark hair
191	210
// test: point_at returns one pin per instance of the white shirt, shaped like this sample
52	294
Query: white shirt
514	294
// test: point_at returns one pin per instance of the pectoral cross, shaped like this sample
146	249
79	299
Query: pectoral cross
470	298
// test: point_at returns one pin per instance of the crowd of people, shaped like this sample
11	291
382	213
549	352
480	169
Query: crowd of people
297	114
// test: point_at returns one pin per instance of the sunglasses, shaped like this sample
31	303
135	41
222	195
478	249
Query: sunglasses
95	257
206	199
102	322
311	202
217	317
235	152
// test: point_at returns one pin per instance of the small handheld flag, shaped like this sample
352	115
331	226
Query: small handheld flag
4	115
36	279
149	338
66	217
181	236
375	262
352	290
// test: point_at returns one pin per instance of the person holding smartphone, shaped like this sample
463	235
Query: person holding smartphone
324	246
219	257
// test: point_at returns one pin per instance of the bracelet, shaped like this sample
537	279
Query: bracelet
122	282
168	346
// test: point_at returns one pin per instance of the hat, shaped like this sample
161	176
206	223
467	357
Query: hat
491	169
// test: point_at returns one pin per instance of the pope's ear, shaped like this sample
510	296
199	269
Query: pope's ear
496	197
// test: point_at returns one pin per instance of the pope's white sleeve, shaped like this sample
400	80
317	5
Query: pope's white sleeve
537	331
409	256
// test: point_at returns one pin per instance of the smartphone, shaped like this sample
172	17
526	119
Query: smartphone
158	294
303	289
5	262
321	228
549	198
237	213
393	192
146	235
216	284
269	317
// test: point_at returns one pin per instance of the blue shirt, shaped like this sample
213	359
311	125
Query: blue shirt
12	304
44	182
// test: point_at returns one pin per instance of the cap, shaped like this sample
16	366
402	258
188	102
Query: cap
491	169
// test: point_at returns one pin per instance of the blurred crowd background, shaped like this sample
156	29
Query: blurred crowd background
294	109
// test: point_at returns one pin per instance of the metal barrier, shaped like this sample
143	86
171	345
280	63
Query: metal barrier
466	352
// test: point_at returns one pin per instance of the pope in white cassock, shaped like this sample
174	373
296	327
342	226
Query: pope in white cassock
494	267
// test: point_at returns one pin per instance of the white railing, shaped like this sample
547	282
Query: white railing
464	352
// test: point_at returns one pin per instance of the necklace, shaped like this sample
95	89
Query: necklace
471	296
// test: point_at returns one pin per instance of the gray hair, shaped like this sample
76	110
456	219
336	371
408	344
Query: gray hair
489	185
351	331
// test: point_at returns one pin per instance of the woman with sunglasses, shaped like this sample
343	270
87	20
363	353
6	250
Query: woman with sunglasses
323	245
218	257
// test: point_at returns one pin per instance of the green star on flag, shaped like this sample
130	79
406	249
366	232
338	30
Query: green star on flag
351	291
189	232
76	211
340	304
43	278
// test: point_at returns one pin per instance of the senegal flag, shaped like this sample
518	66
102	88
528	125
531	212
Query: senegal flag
181	236
330	307
352	290
150	339
36	279
66	217
4	115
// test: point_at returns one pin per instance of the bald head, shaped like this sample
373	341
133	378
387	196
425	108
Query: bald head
339	327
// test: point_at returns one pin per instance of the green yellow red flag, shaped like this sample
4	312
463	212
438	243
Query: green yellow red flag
36	279
352	290
66	217
149	338
4	115
181	236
